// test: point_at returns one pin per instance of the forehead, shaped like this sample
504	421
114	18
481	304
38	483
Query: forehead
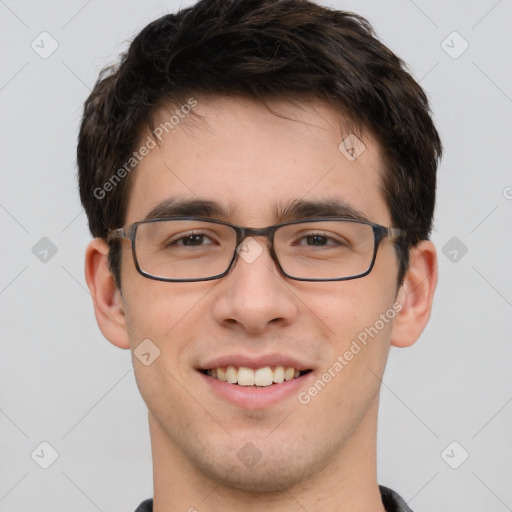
254	163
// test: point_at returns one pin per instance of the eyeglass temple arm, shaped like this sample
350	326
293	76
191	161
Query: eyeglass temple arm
395	232
116	233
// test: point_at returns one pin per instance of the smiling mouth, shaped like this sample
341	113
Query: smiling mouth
256	377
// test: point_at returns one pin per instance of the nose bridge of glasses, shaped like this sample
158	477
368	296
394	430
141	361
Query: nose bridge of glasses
257	232
249	251
267	233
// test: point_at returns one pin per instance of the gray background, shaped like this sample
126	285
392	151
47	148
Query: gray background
62	383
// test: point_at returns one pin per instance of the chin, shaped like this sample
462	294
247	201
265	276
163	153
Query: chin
259	483
275	471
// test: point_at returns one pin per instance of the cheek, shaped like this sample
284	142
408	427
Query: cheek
160	309
156	318
347	308
350	378
357	317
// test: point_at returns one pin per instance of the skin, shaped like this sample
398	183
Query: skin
319	456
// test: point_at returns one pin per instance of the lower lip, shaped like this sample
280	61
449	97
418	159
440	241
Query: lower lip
251	397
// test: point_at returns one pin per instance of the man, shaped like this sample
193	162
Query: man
259	177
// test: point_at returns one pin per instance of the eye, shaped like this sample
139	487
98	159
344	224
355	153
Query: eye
318	240
189	240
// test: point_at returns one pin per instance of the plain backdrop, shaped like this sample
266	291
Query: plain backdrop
446	414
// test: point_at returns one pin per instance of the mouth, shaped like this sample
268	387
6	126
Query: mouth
254	377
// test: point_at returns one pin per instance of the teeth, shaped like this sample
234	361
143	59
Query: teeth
245	377
278	374
231	375
289	373
262	377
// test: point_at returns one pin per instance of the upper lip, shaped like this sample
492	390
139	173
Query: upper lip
254	362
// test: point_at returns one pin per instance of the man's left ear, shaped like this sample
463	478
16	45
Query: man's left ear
416	295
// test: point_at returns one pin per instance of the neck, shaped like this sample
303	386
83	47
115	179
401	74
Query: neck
347	482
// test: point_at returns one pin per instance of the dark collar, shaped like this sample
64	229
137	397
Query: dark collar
390	499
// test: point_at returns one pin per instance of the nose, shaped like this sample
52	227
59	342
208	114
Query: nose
254	294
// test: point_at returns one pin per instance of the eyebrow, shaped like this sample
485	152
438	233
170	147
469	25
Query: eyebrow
177	207
295	209
298	209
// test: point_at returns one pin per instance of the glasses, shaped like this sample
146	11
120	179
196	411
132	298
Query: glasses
183	249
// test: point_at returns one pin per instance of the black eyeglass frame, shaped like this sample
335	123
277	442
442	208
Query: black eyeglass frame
379	233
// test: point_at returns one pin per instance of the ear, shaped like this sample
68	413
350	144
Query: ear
108	303
416	295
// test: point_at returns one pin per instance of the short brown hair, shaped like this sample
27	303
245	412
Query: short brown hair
261	49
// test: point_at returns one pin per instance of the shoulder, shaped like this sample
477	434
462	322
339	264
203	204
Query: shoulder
392	501
145	506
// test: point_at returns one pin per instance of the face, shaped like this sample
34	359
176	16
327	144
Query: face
248	160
